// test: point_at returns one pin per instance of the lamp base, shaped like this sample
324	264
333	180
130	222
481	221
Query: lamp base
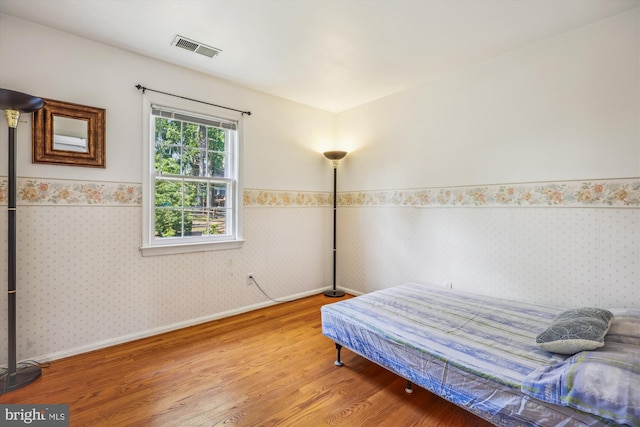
334	293
23	376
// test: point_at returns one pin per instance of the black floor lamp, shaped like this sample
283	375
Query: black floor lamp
13	103
335	157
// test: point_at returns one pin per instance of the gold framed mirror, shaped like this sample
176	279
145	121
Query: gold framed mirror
69	134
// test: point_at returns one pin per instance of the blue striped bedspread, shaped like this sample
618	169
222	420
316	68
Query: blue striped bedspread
482	335
474	350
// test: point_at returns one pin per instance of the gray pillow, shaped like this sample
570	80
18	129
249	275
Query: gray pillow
590	312
576	330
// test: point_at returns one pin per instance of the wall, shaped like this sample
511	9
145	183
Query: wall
505	178
82	282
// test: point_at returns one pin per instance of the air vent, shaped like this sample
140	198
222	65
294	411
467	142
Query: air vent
194	46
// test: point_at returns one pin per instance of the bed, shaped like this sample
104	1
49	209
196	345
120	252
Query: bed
481	353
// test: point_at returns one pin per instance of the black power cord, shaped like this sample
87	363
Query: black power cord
262	290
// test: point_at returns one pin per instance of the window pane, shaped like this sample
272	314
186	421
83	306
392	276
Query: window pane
200	222
170	223
168	160
216	163
190	134
193	162
218	195
168	193
218	221
168	216
167	132
195	143
216	139
195	194
208	222
217	147
167	146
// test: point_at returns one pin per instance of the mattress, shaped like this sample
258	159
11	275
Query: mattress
473	350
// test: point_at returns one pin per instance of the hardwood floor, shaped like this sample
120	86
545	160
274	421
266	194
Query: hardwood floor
270	367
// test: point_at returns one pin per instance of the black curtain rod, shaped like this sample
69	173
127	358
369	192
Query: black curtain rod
144	89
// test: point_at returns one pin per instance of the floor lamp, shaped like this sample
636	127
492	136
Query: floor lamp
335	157
13	103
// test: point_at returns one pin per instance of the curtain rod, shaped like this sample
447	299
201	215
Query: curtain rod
144	89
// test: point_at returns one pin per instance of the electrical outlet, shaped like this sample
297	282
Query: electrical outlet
249	278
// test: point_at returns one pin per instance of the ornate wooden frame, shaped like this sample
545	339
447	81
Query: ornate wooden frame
43	148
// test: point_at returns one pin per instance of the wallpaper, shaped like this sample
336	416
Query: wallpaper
566	257
84	285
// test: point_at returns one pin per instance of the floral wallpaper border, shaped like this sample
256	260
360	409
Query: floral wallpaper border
266	198
31	191
603	193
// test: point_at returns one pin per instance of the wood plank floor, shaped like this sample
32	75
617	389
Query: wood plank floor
269	367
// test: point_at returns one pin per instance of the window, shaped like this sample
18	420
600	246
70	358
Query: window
193	182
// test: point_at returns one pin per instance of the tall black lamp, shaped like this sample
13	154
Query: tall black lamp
335	157
13	103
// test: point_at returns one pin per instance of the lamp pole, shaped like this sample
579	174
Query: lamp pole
13	103
335	157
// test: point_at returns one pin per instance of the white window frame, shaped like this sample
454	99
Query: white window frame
151	245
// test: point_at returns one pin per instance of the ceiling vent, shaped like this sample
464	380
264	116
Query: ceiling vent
195	46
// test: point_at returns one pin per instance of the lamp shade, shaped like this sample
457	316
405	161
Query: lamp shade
335	155
12	100
13	103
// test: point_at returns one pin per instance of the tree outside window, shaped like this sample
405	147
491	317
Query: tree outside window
192	177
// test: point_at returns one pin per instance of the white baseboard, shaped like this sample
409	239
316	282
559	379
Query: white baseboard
350	291
168	328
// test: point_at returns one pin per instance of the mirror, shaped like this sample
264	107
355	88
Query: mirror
69	134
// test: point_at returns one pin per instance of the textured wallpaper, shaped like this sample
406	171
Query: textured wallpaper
560	256
82	283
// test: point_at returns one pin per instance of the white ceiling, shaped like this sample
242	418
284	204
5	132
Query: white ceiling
328	54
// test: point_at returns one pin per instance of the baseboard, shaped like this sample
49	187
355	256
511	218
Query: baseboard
350	291
168	328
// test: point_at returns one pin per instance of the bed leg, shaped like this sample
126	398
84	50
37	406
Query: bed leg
409	388
338	362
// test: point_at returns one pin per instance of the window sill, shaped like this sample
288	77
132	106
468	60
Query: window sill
190	248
